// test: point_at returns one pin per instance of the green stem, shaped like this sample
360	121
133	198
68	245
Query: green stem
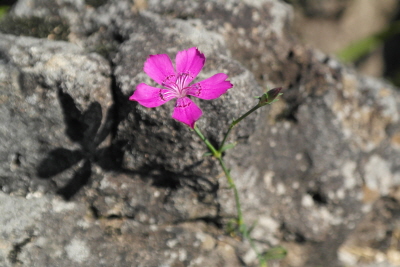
236	122
231	183
235	191
240	222
218	155
213	150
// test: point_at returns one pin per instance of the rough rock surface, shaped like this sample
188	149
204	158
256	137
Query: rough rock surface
71	236
135	187
54	99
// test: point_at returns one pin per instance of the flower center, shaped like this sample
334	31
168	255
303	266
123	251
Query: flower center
179	86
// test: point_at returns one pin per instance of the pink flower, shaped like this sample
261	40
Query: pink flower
176	84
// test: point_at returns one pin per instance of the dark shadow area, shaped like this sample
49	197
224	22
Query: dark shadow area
80	179
293	101
8	2
391	53
85	129
290	235
318	197
163	178
57	161
96	3
35	27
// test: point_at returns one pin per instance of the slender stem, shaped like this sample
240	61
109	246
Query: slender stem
213	150
236	122
231	183
235	191
218	155
240	222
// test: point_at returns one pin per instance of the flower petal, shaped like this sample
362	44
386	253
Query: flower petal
210	88
160	69
151	97
188	65
186	111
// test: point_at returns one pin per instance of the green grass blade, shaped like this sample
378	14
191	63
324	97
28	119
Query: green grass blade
364	46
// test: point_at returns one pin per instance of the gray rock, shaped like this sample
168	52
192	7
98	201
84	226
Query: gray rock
55	97
47	231
180	148
375	235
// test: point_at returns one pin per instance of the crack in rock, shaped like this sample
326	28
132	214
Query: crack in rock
17	248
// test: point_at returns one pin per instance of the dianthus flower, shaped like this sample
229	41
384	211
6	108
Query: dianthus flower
176	84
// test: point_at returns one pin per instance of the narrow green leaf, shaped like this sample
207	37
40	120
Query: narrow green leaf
207	154
251	228
273	101
358	49
227	146
364	46
275	253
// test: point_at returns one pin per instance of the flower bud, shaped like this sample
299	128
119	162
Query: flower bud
273	93
270	96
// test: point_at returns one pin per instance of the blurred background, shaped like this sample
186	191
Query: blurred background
364	33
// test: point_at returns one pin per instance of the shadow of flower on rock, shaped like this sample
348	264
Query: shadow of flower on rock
85	129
